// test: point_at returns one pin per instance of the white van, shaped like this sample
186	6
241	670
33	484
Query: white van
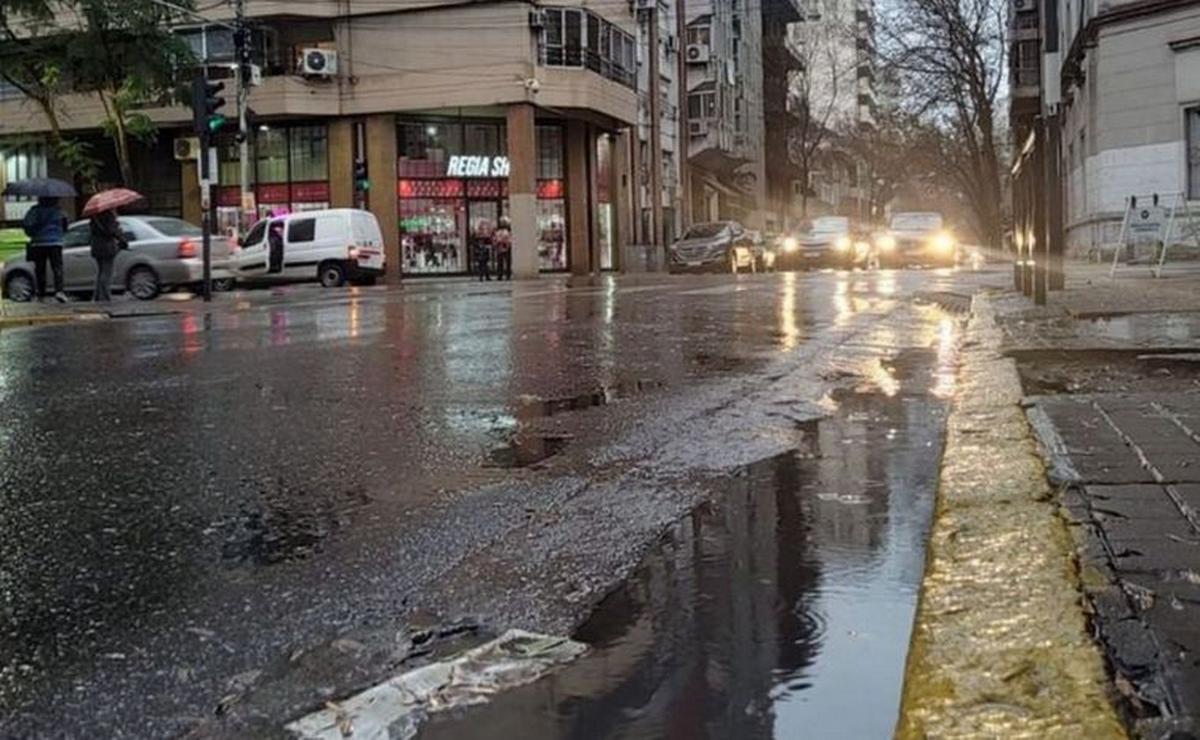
332	247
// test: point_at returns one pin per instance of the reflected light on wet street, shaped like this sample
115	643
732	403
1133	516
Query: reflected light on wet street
789	331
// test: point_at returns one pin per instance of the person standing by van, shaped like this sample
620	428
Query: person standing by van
46	226
107	239
502	241
275	247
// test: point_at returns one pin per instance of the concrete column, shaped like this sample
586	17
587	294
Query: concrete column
341	163
522	189
381	166
579	229
622	201
189	191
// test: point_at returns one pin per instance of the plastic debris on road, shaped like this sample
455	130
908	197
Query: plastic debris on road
396	707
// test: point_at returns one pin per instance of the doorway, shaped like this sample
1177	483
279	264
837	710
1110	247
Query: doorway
483	216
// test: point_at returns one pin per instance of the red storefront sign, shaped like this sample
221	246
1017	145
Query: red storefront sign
230	197
277	193
550	189
429	188
310	192
487	188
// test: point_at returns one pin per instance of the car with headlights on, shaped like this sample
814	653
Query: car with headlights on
724	246
828	241
917	238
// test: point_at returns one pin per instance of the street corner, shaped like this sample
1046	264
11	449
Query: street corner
1001	643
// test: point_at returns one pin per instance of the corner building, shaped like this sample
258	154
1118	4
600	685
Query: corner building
463	113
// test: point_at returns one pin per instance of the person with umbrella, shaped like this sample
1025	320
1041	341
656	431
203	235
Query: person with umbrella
46	225
107	236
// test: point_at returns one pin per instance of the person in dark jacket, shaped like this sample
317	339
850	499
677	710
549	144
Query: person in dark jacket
275	247
502	243
46	225
107	240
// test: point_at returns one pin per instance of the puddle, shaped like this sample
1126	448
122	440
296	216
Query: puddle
289	526
781	610
531	406
524	450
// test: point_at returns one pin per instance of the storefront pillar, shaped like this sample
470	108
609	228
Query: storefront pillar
341	163
383	200
579	226
522	189
623	234
189	191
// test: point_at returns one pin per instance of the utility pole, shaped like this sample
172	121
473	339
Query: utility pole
684	140
241	36
655	135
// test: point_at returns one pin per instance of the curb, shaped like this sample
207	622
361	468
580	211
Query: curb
1000	646
8	321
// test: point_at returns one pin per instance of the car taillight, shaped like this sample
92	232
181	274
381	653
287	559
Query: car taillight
187	248
352	253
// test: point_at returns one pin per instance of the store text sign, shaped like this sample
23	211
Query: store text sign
467	165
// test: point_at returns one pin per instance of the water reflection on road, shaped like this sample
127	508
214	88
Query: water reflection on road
782	610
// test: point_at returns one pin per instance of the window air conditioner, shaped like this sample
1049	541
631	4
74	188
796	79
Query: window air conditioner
698	54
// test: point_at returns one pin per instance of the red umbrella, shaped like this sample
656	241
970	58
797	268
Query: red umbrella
110	199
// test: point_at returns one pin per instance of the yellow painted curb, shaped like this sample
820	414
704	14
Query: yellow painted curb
1000	646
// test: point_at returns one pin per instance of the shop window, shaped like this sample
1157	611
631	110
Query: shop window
271	153
309	152
432	235
301	230
1193	152
425	146
484	139
552	242
550	152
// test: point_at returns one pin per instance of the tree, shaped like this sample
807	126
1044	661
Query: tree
826	96
121	51
949	56
887	150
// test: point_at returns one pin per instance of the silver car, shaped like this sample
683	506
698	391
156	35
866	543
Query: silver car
721	245
163	253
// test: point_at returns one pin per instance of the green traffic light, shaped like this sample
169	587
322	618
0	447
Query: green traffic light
216	123
364	184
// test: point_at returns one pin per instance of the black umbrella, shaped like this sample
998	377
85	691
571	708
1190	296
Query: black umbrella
41	187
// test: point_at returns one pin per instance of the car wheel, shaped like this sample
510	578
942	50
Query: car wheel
142	283
224	285
20	288
331	275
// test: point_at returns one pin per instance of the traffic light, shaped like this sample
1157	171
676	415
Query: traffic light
361	181
206	102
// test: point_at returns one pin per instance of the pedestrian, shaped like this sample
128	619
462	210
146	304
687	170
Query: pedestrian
275	247
483	258
46	226
502	241
107	240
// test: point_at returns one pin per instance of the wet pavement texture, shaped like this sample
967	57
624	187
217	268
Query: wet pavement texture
1118	415
192	502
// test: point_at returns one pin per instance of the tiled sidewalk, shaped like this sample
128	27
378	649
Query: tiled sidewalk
1132	465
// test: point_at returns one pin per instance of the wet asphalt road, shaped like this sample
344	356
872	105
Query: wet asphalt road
213	522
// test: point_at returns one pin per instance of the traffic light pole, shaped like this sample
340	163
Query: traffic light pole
243	95
207	216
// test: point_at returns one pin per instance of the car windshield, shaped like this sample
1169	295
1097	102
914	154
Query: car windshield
172	226
828	224
917	221
704	231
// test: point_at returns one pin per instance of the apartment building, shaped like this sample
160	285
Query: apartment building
835	84
1129	75
463	114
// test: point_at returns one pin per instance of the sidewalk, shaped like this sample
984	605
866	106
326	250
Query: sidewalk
1111	376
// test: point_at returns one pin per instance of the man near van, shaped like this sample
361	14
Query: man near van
275	247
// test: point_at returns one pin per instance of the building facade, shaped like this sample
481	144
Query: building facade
1129	75
462	114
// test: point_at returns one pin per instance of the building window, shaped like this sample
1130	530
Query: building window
272	155
699	35
1193	152
309	153
702	105
20	163
576	38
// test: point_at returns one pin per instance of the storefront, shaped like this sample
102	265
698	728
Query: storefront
453	192
290	172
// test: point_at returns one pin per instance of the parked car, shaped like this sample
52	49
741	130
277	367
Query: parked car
330	246
164	253
716	245
917	238
828	241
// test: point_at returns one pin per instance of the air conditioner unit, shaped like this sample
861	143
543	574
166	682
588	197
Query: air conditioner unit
318	63
698	128
537	19
698	54
187	149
